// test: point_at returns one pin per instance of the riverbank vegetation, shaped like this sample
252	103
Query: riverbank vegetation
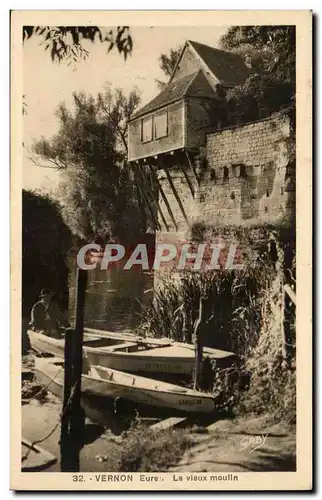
248	314
97	192
245	309
46	243
143	450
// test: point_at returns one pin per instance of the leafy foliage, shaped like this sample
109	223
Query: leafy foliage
65	43
257	98
144	451
167	64
273	383
168	61
118	108
271	85
233	318
275	45
97	192
46	241
233	296
246	315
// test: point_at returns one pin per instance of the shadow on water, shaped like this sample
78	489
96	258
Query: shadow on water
108	413
118	415
113	297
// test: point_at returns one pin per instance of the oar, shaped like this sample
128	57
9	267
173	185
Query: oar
207	350
106	333
129	336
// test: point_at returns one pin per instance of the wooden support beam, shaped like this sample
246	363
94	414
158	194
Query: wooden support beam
167	204
156	201
176	194
146	201
188	180
150	197
192	167
140	200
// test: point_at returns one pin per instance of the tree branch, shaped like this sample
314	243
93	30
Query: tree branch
56	165
117	126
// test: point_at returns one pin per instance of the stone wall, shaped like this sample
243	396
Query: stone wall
247	177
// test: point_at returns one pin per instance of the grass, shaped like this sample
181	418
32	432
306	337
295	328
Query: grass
272	389
232	307
245	311
143	450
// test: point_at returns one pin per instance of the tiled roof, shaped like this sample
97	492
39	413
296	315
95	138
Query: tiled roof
174	91
228	67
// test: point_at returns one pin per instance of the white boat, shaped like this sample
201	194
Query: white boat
132	354
105	382
46	344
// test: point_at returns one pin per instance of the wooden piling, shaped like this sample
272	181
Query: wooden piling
198	344
73	420
65	419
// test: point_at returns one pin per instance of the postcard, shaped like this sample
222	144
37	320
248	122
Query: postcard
161	250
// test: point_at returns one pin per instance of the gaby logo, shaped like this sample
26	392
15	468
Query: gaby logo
253	443
166	255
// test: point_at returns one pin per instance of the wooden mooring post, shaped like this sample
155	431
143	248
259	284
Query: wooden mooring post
199	344
65	418
73	418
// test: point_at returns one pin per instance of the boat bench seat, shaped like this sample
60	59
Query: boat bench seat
126	346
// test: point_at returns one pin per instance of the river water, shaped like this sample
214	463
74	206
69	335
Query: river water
115	298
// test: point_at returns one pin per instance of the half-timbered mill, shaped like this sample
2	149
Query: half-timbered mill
201	169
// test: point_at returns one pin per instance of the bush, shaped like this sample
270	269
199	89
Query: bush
232	311
272	388
245	311
46	242
145	451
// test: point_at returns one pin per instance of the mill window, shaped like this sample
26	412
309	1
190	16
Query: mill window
160	125
146	129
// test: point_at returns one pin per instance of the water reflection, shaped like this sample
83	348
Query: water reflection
114	297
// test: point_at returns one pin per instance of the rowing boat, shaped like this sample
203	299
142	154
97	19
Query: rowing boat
132	354
46	344
109	383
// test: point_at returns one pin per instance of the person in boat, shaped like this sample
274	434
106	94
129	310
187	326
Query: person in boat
104	239
46	315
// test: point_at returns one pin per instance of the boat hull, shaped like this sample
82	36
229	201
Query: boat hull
132	354
123	361
137	363
108	383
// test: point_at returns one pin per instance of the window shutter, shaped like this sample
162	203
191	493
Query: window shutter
160	125
146	129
